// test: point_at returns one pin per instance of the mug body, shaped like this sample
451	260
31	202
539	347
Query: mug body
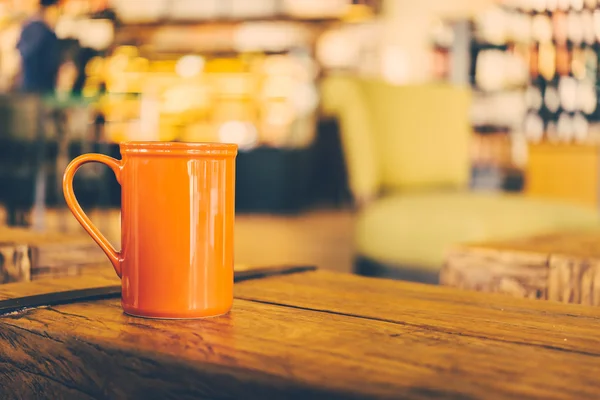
177	223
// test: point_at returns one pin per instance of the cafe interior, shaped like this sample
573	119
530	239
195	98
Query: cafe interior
373	135
451	143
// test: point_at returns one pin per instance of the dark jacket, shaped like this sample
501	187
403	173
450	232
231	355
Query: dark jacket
40	53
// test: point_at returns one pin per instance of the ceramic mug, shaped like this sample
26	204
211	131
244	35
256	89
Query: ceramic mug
177	223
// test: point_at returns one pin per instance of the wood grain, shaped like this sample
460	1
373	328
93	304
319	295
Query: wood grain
562	267
309	335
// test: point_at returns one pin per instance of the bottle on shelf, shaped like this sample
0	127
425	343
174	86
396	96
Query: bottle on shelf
575	29
559	27
563	5
541	28
534	127
547	60
580	127
586	97
563	59
587	22
577	5
564	127
552	131
567	92
551	5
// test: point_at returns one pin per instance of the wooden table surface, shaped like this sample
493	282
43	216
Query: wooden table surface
306	335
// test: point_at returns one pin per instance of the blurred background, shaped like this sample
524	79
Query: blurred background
373	134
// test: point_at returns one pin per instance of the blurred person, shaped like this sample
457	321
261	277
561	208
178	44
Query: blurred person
41	69
40	50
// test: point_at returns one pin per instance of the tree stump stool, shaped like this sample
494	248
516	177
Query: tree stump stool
28	255
561	267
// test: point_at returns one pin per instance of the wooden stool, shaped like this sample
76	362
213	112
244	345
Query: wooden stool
562	267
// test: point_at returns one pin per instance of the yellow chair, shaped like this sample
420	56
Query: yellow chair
407	155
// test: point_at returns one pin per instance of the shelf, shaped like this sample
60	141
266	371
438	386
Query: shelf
208	37
490	129
545	12
166	22
480	45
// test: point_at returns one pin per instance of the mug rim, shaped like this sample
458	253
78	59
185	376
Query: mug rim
175	148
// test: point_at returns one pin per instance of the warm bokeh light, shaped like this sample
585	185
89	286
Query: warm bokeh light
189	66
241	133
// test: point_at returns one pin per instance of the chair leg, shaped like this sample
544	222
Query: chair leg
11	215
38	212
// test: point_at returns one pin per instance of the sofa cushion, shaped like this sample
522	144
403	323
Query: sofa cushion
416	229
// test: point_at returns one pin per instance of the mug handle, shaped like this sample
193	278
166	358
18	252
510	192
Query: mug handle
113	255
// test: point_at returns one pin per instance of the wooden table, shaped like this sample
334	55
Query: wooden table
309	335
562	267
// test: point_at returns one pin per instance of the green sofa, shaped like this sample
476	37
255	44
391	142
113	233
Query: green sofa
407	154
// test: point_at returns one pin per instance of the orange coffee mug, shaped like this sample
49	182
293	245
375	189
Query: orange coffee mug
177	222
